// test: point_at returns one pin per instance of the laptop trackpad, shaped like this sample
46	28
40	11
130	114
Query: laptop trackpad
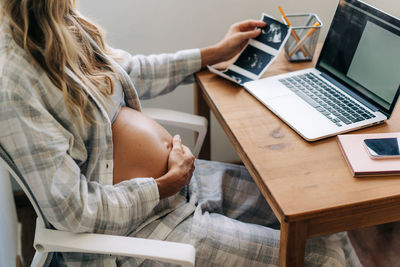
267	88
300	116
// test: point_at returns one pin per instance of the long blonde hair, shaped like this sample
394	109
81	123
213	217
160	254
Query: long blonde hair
57	37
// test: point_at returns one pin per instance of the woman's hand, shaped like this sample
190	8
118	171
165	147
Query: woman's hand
233	42
180	169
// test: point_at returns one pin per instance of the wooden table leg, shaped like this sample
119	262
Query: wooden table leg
201	108
292	244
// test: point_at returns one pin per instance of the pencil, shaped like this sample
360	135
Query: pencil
301	42
294	34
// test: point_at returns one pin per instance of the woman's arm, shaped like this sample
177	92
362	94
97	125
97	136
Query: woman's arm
159	74
156	75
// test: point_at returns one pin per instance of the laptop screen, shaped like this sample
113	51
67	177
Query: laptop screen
362	50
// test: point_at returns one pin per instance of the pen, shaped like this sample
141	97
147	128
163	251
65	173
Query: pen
301	42
294	34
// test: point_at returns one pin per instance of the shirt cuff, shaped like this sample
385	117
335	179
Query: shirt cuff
193	57
193	63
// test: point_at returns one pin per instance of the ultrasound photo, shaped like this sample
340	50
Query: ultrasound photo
253	60
239	78
259	53
273	34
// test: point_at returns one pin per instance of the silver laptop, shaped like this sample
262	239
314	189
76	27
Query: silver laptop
355	83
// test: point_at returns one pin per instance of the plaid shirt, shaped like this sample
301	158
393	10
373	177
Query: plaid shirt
69	168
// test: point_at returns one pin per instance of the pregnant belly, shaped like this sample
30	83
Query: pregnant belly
141	146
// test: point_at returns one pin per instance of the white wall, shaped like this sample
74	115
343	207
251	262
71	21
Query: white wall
155	26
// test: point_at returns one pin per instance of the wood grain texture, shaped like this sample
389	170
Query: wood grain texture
200	108
305	179
293	238
302	181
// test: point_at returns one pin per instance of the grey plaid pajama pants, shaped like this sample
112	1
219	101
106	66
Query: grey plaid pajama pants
233	225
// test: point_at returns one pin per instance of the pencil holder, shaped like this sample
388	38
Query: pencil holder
303	38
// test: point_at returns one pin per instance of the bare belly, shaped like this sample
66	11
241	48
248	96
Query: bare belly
141	146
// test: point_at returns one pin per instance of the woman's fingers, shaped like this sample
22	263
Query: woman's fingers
177	143
190	162
249	34
248	25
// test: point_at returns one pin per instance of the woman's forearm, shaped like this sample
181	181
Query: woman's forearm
211	55
167	185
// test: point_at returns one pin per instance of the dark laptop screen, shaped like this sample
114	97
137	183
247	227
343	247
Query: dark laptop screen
362	50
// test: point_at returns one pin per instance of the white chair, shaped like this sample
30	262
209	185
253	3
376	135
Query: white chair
9	230
48	240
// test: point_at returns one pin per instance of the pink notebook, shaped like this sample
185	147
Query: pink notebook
358	159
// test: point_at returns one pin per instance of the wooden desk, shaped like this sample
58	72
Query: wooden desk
308	185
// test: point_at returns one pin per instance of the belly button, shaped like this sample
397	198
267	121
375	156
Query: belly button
168	145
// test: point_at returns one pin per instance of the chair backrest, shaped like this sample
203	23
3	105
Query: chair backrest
8	222
40	258
12	169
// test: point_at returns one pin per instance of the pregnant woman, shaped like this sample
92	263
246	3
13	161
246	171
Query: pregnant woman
71	121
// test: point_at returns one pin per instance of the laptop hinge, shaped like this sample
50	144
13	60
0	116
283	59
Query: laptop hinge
356	96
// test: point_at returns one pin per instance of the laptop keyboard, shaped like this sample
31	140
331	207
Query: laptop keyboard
329	101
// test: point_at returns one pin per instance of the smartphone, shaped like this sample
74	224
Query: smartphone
381	148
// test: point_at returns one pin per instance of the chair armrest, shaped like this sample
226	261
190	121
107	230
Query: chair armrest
183	120
59	241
